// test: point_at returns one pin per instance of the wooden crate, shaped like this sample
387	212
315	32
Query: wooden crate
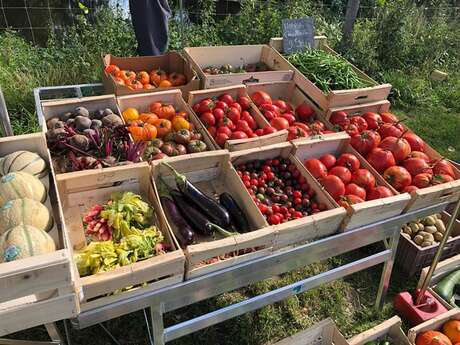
202	57
411	258
359	214
303	229
360	109
241	144
433	324
390	328
81	190
169	62
39	289
324	332
141	103
334	98
213	174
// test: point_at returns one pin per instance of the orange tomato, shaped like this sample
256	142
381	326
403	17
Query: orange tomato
112	69
148	118
154	107
177	79
164	126
143	77
130	114
118	81
166	111
183	114
156	76
165	83
145	131
127	75
178	123
135	85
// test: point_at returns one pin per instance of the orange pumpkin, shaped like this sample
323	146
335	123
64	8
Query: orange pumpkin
452	330
432	338
165	83
164	126
178	123
148	118
144	131
143	77
177	79
156	76
165	111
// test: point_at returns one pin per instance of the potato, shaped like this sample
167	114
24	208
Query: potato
418	239
431	229
407	230
426	244
413	227
406	236
438	236
430	220
438	215
428	237
421	227
439	224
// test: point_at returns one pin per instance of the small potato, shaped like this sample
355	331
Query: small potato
413	226
418	239
438	236
421	227
428	237
426	244
431	229
430	220
439	224
407	230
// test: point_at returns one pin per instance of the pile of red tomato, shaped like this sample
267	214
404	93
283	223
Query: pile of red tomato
345	180
393	151
300	122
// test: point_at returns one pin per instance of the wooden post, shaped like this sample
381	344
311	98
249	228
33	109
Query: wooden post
350	17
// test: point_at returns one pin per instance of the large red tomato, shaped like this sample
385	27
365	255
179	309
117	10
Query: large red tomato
373	120
388	117
338	117
341	172
363	178
441	178
443	167
245	102
365	142
233	114
316	168
359	122
389	130
295	132
419	154
227	98
279	123
205	105
379	192
422	180
381	159
347	200
416	143
334	186
304	112
398	177
353	188
208	119
328	160
398	146
416	166
282	105
349	161
409	189
261	97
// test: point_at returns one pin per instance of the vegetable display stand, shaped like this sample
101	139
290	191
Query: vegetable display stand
412	258
236	57
173	97
38	289
435	324
389	330
361	213
213	174
324	332
334	98
297	231
241	144
79	192
169	63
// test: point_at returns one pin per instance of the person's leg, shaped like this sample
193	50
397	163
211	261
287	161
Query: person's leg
150	21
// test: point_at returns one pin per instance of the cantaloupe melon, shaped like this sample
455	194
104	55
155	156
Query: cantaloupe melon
25	211
23	241
17	185
25	161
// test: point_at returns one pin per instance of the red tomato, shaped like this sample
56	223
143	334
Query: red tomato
354	189
205	105
289	117
347	200
237	106
418	154
389	130
245	102
249	119
416	143
359	122
409	189
351	130
303	126
316	168
270	115
381	159
338	117
349	161
365	141
379	192
318	124
282	105
227	98
304	112
221	105
388	117
218	113
238	135
226	122
279	123
341	172
398	177
196	107
242	125
363	178
422	180
373	120
233	114
441	178
212	131
295	132
416	166
208	119
443	167
398	146
274	219
334	186
261	97
328	160
225	130
221	139
259	131
270	107
269	130
112	69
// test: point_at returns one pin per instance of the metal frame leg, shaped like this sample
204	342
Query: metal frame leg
386	272
156	313
53	333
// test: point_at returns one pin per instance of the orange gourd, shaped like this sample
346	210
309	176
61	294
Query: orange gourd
178	123
148	118
143	77
452	330
157	76
432	338
144	131
166	111
164	126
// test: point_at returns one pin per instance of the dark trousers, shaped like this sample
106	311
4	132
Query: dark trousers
150	21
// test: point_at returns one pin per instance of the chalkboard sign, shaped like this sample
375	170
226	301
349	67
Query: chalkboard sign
298	34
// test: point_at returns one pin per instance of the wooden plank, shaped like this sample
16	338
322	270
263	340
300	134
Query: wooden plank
433	324
390	327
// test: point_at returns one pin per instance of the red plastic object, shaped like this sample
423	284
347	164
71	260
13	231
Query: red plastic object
428	308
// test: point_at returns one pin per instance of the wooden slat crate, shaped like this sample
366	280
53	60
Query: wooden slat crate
142	101
202	57
169	62
300	230
38	289
390	328
359	214
334	98
213	174
433	324
81	190
324	332
241	144
412	258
